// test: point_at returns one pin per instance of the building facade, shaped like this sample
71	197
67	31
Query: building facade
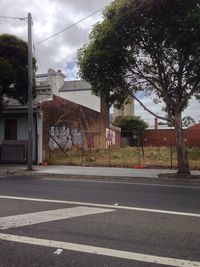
126	110
14	134
67	116
77	91
73	118
166	137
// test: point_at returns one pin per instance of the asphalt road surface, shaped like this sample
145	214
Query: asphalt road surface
57	222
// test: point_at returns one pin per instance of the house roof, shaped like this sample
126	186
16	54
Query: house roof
17	108
13	106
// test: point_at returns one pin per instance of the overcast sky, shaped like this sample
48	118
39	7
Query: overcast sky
49	17
59	52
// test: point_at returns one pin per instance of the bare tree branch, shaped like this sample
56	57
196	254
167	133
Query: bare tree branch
148	110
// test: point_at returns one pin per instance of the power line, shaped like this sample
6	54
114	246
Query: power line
70	26
5	17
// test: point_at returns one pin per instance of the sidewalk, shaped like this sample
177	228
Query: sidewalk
77	171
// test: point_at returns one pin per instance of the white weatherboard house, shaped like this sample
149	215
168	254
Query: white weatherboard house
14	133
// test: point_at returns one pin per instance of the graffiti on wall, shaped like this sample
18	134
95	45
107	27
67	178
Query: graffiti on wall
63	137
110	138
90	141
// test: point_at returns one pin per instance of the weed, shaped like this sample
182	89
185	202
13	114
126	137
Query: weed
126	157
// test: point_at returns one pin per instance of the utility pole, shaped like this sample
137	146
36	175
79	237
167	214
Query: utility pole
30	96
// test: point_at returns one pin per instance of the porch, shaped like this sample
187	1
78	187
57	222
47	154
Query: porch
14	135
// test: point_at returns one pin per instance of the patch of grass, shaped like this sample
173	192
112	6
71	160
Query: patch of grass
194	153
126	157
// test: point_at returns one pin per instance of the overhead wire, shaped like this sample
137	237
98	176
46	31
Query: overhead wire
18	18
70	26
53	35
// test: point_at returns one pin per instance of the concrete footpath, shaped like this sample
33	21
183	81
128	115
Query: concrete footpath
91	172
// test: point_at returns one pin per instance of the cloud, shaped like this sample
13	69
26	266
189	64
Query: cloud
59	52
192	110
84	6
50	17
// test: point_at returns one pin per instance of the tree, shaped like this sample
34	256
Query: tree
150	46
131	126
14	69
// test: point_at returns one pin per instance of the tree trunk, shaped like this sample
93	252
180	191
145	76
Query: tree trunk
183	165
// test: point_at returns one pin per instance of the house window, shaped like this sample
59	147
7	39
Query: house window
10	129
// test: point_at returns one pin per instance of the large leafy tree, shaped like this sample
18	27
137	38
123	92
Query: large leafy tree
150	46
14	69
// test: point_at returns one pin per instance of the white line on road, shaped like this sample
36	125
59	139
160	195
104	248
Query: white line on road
47	216
122	182
104	206
100	251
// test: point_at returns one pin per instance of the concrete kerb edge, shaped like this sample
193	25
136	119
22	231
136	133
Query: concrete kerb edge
33	173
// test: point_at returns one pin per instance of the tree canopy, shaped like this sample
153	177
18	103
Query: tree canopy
132	125
150	46
14	69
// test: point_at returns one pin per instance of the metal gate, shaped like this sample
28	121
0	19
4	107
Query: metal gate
12	151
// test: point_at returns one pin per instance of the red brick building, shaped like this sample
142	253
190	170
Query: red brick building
67	126
166	137
72	116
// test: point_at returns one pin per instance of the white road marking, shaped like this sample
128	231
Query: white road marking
47	216
197	215
58	251
122	182
100	251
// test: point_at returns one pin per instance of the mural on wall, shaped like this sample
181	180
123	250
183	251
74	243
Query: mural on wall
64	137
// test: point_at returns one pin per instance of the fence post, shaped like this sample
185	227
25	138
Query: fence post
171	155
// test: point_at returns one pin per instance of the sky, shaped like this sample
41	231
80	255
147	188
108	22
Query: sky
49	17
59	52
193	110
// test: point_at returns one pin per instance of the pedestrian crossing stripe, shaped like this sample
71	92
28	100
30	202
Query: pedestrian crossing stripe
48	216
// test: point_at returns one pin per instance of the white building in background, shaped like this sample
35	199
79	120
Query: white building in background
126	110
77	91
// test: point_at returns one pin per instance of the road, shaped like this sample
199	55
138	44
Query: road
59	222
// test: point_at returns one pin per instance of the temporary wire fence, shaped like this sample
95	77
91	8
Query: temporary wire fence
129	157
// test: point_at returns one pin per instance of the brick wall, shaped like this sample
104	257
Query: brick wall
59	115
160	137
193	135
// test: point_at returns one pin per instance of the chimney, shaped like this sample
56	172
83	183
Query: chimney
156	123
